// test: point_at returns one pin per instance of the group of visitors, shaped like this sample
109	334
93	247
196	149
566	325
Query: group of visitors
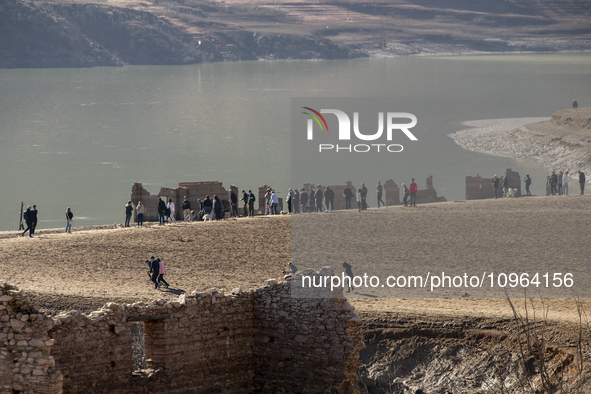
319	199
505	181
559	183
30	216
156	272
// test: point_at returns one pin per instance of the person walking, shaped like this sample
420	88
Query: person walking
506	184
155	271
34	217
161	211
28	216
495	183
186	209
413	193
245	199
406	193
565	183
233	205
582	181
359	199
363	197
69	220
161	273
349	273
139	210
379	190
251	200
303	199
527	181
128	212
553	182
348	194
171	214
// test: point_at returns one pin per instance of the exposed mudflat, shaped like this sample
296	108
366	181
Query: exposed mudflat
561	143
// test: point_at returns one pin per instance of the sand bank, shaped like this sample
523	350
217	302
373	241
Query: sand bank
560	143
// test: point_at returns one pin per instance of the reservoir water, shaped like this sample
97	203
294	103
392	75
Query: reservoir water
80	138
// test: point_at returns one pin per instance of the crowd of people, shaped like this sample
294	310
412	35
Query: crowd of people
559	183
317	199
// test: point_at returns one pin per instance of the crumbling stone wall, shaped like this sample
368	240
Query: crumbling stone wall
305	343
392	193
202	342
206	342
479	188
26	365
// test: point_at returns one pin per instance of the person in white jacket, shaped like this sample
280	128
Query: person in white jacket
565	183
170	206
274	203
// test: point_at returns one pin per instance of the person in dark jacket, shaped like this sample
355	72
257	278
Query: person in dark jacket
161	211
34	220
348	194
186	209
28	216
218	207
245	199
251	200
495	183
553	182
303	199
349	273
128	212
363	197
506	184
312	199
582	181
234	204
319	198
379	190
155	271
329	199
69	221
207	205
527	181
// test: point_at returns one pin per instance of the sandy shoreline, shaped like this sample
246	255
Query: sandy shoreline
86	269
559	143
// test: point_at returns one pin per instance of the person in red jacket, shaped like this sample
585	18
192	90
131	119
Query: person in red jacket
413	193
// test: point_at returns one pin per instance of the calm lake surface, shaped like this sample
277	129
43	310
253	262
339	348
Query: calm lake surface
82	137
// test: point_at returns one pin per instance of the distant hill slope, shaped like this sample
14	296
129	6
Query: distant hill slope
119	32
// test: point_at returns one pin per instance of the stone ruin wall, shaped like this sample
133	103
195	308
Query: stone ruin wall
194	191
26	363
478	188
206	342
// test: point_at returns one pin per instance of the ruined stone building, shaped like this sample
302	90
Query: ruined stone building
264	340
479	188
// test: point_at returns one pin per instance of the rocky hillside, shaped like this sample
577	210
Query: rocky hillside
117	32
